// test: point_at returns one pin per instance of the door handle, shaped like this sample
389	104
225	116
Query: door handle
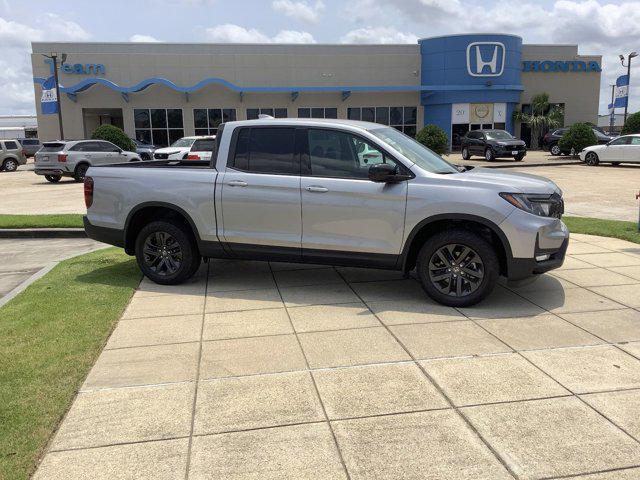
317	189
237	183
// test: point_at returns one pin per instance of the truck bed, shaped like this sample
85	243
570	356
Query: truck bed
162	164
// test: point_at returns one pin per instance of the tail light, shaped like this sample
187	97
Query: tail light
193	156
62	157
88	191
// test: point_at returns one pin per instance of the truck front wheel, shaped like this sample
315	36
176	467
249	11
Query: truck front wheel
166	252
457	268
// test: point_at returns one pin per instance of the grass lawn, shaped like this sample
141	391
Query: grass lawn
51	334
63	220
605	228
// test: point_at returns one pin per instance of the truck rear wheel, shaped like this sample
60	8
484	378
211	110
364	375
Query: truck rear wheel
457	268
166	252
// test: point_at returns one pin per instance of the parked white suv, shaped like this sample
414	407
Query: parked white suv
624	149
73	158
188	148
302	190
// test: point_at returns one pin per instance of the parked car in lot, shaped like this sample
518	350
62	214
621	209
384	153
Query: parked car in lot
492	144
624	149
551	139
11	155
296	190
188	148
29	146
73	158
144	150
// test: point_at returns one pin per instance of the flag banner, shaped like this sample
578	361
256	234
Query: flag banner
49	99
611	108
622	91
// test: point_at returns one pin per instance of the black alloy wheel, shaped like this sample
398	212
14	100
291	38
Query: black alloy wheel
555	149
458	268
81	171
162	254
53	178
591	159
465	153
489	155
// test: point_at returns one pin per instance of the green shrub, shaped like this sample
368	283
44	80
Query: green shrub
579	136
114	135
433	137
632	125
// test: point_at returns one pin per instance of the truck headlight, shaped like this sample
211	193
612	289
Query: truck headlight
541	205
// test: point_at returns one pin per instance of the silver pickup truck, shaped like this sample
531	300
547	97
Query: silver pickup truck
335	192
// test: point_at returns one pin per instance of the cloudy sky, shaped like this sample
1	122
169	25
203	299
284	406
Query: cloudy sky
597	27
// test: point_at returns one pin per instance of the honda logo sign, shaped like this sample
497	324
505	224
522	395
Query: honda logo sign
485	59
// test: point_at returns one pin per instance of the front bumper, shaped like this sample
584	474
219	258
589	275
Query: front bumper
521	268
508	152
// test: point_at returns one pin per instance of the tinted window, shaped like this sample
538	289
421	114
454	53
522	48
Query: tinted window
52	147
620	141
30	142
266	150
85	147
108	147
339	154
635	140
204	145
11	145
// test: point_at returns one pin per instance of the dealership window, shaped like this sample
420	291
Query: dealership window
401	118
158	126
252	113
207	120
318	112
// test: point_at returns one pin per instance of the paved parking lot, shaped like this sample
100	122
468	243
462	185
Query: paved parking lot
602	192
262	371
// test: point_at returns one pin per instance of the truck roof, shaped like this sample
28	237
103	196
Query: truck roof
319	122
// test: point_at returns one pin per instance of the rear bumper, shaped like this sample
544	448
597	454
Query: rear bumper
50	171
112	236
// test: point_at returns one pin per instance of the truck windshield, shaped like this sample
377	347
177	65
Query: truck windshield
416	152
183	142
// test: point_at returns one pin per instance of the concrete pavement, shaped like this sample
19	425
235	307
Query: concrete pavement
262	371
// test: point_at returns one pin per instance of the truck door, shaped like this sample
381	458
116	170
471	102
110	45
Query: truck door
261	206
342	210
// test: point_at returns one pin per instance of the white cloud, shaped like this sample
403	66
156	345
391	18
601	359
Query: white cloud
378	35
301	10
143	38
230	33
16	81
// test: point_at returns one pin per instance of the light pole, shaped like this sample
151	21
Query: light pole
612	112
54	58
628	65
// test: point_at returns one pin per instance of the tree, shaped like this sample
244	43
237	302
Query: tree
433	137
579	136
632	125
114	135
543	116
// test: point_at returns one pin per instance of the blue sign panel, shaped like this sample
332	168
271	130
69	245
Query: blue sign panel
49	99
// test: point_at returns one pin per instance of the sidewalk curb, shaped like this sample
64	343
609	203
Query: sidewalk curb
42	233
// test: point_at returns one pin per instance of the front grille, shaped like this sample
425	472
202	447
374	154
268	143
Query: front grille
160	156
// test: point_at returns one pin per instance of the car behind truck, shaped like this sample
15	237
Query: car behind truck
335	192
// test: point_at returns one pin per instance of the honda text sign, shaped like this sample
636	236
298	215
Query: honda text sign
485	59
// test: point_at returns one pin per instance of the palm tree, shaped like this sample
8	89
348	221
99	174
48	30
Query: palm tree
543	116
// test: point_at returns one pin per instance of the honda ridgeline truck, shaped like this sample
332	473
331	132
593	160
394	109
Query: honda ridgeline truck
335	192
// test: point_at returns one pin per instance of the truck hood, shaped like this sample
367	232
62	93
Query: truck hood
511	181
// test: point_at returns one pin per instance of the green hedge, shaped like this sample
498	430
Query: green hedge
114	135
433	137
578	137
632	125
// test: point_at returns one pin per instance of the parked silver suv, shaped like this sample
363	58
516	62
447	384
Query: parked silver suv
337	192
11	155
73	158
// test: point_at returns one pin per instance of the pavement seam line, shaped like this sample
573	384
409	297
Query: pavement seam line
313	380
440	389
197	380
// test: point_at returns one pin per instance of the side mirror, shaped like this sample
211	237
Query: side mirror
386	173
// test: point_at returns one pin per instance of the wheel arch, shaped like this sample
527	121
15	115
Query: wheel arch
147	212
429	226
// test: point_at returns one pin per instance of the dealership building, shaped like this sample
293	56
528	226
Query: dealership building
159	92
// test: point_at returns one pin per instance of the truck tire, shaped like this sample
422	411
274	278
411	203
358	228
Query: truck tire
465	153
80	172
53	178
591	159
167	252
457	267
